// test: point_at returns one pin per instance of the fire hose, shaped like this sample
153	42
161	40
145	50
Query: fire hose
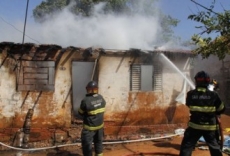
78	144
104	143
220	132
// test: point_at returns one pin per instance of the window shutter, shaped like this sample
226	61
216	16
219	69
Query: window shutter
36	76
135	76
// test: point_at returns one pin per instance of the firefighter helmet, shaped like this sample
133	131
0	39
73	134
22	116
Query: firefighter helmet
92	87
202	79
215	83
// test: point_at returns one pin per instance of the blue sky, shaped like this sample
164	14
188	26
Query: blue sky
12	12
181	9
15	9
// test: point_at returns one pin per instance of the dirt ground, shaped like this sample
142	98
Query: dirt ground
162	147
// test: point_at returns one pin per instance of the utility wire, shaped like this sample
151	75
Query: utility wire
17	29
211	10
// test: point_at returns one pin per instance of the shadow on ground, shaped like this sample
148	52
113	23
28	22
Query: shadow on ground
63	153
166	144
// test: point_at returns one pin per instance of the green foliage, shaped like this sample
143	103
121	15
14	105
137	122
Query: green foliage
79	7
167	22
48	7
212	23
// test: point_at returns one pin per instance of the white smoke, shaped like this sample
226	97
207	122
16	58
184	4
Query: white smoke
106	31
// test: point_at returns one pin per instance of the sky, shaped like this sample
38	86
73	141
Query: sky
100	31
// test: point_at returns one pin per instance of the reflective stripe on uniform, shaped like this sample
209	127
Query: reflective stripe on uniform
221	107
201	89
203	127
99	154
91	128
202	109
94	112
80	111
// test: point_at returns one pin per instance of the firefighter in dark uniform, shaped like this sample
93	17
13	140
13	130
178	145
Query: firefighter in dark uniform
92	110
203	105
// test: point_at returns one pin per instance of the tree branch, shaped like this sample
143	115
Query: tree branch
204	7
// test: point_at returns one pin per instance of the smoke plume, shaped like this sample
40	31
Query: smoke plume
107	31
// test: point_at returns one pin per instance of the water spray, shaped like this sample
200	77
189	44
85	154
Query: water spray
178	70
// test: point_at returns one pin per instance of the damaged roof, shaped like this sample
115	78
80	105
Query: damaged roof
53	52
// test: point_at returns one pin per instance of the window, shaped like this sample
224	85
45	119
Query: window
145	77
36	76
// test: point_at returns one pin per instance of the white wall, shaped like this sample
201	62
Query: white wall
114	82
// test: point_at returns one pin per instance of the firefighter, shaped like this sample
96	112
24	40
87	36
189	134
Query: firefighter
203	105
92	110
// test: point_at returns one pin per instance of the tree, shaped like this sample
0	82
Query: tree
47	8
119	7
212	22
80	7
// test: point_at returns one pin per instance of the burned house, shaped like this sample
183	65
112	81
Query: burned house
41	88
